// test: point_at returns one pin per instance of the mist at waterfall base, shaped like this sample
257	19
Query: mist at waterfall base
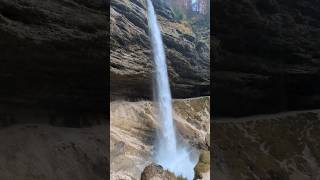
169	154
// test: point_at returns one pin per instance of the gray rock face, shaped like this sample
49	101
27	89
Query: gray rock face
53	54
131	57
266	56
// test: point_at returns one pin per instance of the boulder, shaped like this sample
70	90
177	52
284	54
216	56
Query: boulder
156	172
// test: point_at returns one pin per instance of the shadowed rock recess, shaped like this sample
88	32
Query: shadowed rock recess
53	72
266	60
131	59
267	56
53	56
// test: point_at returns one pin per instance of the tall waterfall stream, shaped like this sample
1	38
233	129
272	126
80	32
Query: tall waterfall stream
169	153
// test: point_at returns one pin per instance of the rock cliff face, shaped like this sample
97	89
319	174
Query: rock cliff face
266	56
279	146
53	54
132	131
131	59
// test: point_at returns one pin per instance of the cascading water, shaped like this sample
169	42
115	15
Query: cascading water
168	153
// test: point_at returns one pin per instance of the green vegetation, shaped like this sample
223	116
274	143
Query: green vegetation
181	178
173	176
184	11
184	27
178	14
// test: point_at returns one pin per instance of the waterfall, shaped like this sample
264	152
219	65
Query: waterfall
168	153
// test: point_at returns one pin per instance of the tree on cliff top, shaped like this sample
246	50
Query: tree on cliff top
190	8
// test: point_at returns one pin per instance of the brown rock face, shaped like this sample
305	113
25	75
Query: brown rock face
267	56
53	54
131	56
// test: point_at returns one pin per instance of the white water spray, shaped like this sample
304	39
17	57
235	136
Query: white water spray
168	154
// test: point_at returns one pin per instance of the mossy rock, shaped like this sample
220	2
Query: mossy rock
180	178
154	171
203	164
